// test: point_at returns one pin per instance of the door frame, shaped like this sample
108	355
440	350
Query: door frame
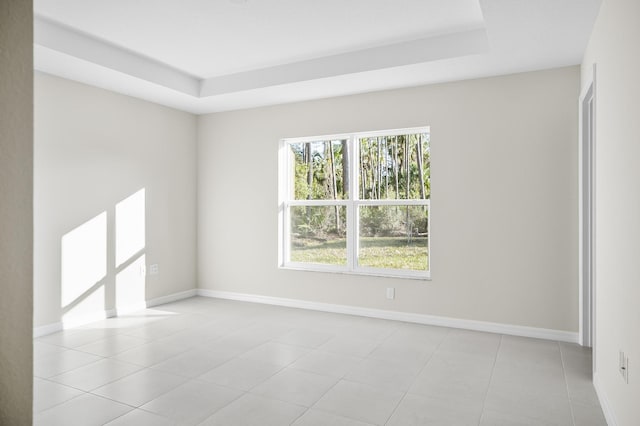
586	220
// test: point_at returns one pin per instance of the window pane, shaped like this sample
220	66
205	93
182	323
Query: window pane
320	170
395	167
318	234
394	237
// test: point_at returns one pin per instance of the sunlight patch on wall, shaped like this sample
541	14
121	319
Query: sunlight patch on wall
84	265
130	227
130	285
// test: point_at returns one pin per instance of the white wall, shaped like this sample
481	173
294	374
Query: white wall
93	149
504	198
614	49
16	211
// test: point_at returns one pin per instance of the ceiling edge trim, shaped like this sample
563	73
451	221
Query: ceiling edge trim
55	36
58	37
400	54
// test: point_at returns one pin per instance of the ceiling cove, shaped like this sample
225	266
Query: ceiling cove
206	56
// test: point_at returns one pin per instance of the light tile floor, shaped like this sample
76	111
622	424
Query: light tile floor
205	361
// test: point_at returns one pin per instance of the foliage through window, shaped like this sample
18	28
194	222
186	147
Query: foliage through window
357	203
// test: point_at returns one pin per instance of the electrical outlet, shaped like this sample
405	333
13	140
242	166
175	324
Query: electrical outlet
624	367
391	293
154	269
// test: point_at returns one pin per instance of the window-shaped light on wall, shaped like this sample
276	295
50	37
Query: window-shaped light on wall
130	227
83	266
131	285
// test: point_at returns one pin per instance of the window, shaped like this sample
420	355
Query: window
356	203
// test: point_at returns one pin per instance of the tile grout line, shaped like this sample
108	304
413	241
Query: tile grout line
340	379
59	403
566	384
493	368
404	394
314	404
242	394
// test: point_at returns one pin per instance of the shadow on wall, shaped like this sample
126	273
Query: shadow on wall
85	262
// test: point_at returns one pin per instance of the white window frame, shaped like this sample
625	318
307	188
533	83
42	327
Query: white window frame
352	205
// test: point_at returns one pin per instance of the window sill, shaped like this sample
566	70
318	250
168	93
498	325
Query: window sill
411	275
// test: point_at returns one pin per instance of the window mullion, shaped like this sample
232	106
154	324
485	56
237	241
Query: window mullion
353	228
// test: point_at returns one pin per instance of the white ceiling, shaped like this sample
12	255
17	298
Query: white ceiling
214	55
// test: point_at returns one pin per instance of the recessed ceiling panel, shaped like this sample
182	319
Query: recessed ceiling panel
215	55
208	38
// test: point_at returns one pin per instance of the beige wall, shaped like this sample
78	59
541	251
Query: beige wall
16	211
614	49
504	198
93	149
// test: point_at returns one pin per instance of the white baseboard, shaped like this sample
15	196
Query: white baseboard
491	327
97	316
604	402
75	321
47	329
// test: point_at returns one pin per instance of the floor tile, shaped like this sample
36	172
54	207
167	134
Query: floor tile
141	387
295	386
275	353
588	415
185	339
320	418
97	374
253	410
352	346
360	402
530	354
498	418
570	349
57	363
150	353
368	329
232	344
455	377
421	333
232	363
522	402
42	350
242	374
269	330
578	366
404	352
327	363
419	411
304	337
192	402
85	410
581	391
384	375
157	330
129	321
77	337
139	417
525	381
112	345
192	363
47	394
468	342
